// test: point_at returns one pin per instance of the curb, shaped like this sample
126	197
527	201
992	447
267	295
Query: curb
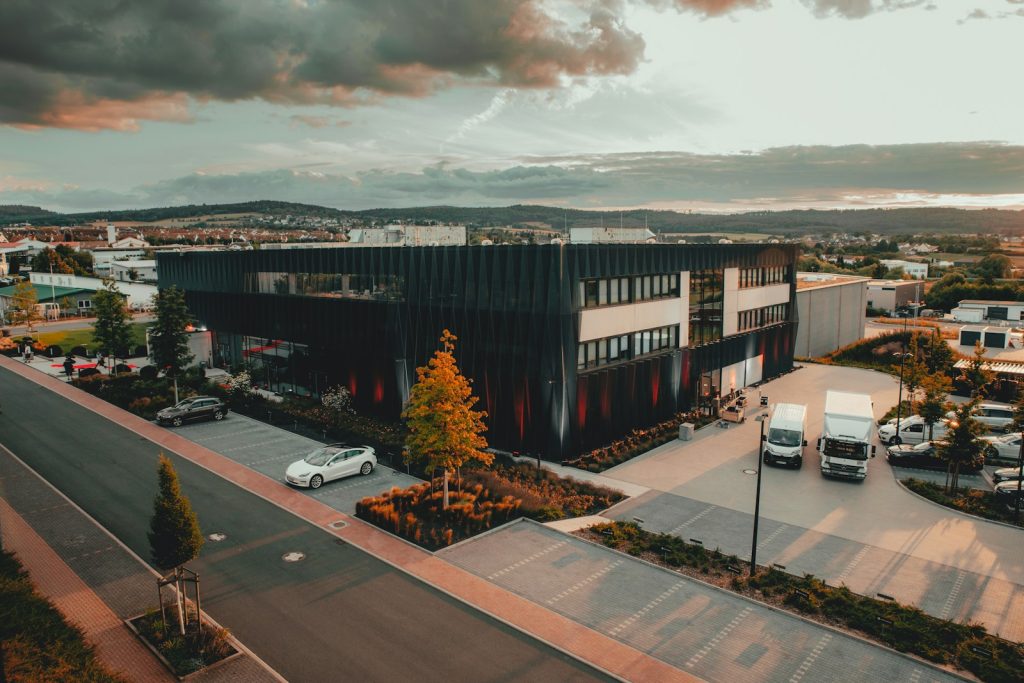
949	509
917	660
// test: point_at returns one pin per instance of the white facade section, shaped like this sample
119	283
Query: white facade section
610	321
731	301
915	269
741	374
609	235
755	297
139	295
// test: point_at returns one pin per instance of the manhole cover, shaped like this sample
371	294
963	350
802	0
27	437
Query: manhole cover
217	537
293	556
338	524
749	471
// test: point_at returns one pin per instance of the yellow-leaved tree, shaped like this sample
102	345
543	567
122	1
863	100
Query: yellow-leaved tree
444	430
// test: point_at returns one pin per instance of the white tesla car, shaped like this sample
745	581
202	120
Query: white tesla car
1005	447
330	462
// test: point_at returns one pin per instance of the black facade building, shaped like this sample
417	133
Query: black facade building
568	346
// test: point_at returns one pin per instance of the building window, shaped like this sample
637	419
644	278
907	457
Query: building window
622	290
764	275
706	300
600	352
762	317
84	303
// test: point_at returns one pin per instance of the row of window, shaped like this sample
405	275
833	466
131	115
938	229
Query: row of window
706	302
627	346
762	317
764	275
622	290
342	285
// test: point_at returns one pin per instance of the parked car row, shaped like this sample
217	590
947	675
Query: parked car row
925	455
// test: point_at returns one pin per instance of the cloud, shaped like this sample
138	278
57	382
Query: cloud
858	9
316	121
962	174
126	62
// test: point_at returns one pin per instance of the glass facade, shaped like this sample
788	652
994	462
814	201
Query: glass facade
763	317
624	347
707	298
623	290
765	275
340	285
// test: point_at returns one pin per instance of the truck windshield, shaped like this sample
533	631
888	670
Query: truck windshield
845	449
783	437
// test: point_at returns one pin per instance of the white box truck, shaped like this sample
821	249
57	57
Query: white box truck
784	443
845	443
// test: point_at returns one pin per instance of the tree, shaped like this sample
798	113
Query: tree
993	267
24	305
961	445
938	355
337	399
977	373
914	368
168	340
174	535
111	331
934	405
444	430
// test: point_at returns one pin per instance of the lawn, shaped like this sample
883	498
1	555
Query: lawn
82	336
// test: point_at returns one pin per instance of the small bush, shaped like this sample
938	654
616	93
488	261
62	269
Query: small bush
191	652
972	501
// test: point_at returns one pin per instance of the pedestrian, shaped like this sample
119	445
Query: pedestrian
28	352
69	367
100	362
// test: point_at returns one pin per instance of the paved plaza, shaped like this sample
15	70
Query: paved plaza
698	628
873	535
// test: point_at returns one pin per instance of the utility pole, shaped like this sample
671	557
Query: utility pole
757	499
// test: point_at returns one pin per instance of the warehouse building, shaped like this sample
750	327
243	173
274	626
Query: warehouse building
832	310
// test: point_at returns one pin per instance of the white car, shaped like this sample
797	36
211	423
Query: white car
912	430
330	462
997	417
1004	447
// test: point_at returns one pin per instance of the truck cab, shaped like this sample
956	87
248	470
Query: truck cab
784	443
845	443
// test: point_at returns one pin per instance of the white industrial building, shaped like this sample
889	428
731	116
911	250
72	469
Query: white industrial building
142	270
409	236
888	295
138	294
914	269
831	312
614	235
976	311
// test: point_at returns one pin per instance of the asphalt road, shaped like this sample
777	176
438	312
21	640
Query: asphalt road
337	614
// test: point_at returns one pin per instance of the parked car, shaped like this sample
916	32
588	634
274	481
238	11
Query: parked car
926	456
329	463
193	409
998	417
912	430
1008	492
1007	474
1005	447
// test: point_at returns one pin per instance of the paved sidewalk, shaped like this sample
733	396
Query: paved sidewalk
116	647
592	647
94	580
690	625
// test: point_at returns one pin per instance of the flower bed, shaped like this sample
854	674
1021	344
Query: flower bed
972	501
638	442
482	500
186	654
898	626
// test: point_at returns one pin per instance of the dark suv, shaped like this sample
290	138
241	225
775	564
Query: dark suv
191	409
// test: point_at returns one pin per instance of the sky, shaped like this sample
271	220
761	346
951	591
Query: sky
703	105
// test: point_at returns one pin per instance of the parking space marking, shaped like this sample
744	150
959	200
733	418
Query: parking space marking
222	436
527	560
948	607
853	563
646	608
286	456
693	519
256	445
772	537
351	485
915	676
590	579
713	643
809	661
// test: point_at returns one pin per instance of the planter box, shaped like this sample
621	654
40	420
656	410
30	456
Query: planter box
130	623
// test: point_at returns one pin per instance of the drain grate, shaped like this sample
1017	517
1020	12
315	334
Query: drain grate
217	537
294	556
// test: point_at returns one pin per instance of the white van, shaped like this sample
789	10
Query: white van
784	443
997	417
912	430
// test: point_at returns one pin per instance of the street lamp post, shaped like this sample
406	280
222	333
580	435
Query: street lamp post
757	499
899	399
1020	478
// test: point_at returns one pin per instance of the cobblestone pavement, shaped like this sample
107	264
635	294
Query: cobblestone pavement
269	450
100	582
938	589
695	627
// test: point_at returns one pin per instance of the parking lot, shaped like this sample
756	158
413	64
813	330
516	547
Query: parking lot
269	450
873	535
697	628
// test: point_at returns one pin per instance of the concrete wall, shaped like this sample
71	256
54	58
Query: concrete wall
829	318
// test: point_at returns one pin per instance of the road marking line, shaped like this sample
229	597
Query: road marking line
719	636
527	560
772	536
693	519
339	487
915	676
815	653
948	607
646	608
590	579
853	563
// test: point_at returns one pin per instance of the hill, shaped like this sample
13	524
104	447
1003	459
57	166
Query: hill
881	221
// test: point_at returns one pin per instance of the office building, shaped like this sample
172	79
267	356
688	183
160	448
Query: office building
568	346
